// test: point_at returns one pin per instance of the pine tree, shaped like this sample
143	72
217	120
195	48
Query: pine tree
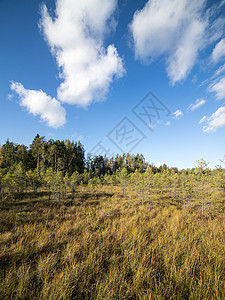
148	182
1	156
73	182
122	177
1	183
33	180
49	179
201	175
37	148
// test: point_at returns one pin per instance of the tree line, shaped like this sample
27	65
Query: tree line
60	166
24	168
66	156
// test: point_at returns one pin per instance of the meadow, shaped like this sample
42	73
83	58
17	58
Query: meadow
109	241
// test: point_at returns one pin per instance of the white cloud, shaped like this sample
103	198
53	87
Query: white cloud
216	28
158	164
204	119
10	97
178	114
215	121
220	70
215	76
168	123
76	37
219	51
173	28
77	137
218	86
40	104
151	125
180	63
222	3
198	103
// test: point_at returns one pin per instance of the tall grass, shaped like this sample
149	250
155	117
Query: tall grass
102	246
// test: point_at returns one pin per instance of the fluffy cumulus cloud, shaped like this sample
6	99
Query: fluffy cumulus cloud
178	114
175	29
76	37
219	51
198	103
87	68
40	104
215	121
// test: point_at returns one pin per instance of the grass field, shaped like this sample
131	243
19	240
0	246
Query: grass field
101	245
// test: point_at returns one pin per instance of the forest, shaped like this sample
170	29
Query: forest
74	226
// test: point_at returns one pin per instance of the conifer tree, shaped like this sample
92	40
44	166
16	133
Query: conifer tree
1	156
73	182
201	175
148	182
122	176
37	148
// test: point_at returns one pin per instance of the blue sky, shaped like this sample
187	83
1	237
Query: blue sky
77	69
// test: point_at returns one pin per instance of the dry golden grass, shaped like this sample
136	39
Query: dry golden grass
104	246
